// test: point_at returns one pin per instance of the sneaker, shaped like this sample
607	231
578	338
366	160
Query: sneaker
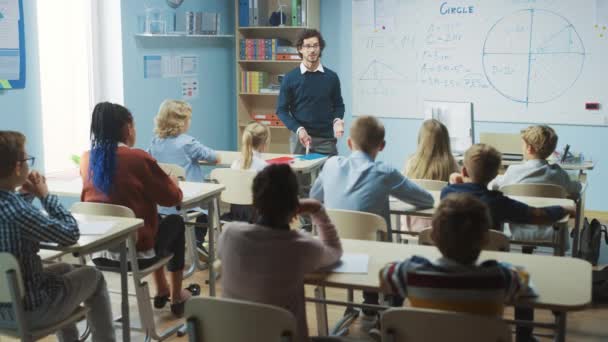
375	334
368	322
203	254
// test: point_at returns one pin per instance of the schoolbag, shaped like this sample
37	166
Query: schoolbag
590	240
599	288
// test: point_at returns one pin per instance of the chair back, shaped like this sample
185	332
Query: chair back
415	324
429	184
504	142
101	209
226	320
358	225
497	241
174	170
8	264
536	190
238	185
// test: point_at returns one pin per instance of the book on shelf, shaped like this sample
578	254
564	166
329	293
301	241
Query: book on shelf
269	91
253	13
262	48
253	81
268	119
288	57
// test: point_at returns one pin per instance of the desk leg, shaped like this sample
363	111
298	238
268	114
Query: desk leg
321	308
124	292
214	222
397	228
190	246
560	326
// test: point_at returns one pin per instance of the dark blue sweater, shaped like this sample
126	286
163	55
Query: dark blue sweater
502	208
311	100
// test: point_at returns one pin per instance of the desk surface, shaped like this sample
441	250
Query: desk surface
399	207
585	165
228	157
70	185
561	283
121	228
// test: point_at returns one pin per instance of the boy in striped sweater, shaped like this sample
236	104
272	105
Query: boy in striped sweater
455	281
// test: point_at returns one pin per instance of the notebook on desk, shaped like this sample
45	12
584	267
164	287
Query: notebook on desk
311	156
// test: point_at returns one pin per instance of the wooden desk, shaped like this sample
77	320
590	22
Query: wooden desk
311	167
573	275
194	195
123	229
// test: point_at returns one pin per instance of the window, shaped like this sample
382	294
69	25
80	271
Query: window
71	53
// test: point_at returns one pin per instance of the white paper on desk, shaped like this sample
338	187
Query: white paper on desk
352	263
191	191
95	227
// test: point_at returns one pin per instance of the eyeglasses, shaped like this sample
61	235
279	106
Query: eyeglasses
30	160
311	47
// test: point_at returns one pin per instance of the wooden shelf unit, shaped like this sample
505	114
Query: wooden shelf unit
248	103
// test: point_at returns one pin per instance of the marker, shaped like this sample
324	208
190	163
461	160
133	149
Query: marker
307	148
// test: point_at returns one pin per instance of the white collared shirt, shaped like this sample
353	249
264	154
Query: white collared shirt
303	68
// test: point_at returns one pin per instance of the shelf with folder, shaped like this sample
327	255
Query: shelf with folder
282	128
178	35
295	61
258	94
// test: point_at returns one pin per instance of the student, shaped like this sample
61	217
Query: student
114	172
538	143
456	281
359	182
433	160
51	293
266	262
172	145
481	163
254	142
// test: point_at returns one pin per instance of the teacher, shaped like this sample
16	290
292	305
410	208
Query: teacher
310	101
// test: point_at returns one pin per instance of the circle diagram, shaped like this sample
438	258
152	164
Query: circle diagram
533	56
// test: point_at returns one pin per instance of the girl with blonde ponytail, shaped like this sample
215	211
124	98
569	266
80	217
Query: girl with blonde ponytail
256	138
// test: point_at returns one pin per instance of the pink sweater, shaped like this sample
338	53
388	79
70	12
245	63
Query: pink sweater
265	265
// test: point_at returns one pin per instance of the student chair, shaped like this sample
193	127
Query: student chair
11	291
228	320
560	239
415	324
427	184
142	291
354	225
497	241
174	170
238	185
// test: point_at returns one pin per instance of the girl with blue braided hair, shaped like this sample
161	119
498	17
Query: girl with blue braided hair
114	172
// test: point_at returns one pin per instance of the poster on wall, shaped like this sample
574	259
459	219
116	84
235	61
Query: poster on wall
12	45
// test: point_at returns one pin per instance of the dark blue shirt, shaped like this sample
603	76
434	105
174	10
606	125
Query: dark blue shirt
312	100
502	208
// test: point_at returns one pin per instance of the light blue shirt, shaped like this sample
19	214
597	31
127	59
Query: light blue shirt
359	183
185	151
537	171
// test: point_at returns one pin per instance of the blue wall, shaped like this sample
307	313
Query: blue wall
336	26
213	121
20	108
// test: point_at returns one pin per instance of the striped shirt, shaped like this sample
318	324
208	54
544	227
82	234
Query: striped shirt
22	228
448	285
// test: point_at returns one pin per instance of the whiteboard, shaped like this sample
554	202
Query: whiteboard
515	60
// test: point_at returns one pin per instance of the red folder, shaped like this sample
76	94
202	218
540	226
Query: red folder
280	160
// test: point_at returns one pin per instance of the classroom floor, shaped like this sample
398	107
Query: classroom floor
585	326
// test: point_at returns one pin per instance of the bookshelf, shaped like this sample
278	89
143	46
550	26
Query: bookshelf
247	102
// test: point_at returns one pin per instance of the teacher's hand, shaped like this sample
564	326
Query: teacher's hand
338	128
305	139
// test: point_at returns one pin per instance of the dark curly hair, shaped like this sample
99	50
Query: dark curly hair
310	33
275	194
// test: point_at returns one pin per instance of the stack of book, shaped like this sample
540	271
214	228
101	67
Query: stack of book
253	81
268	119
267	49
257	13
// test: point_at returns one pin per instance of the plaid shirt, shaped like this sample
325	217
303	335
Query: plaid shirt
22	228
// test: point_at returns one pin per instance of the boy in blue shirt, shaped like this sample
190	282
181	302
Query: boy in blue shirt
359	182
51	293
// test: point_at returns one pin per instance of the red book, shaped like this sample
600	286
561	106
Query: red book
280	160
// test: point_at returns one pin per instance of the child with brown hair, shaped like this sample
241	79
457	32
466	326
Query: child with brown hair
53	292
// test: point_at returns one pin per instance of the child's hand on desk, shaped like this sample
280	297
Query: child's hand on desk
456	178
309	206
218	158
35	184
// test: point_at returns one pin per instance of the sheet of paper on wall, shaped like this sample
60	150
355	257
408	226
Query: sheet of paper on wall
152	66
189	65
171	66
189	87
352	263
601	12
